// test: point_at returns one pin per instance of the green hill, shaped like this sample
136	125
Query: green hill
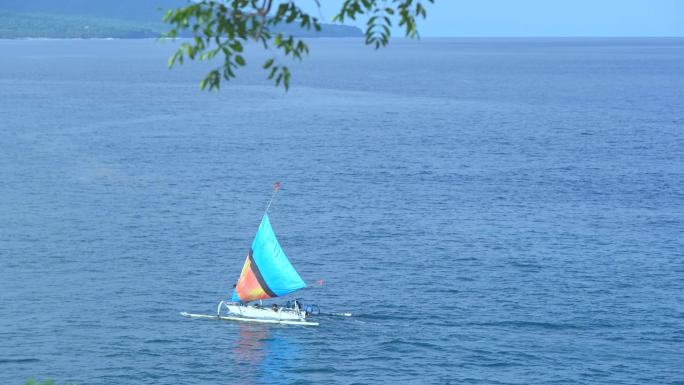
28	25
107	19
132	10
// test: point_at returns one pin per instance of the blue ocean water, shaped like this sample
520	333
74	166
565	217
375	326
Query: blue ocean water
492	211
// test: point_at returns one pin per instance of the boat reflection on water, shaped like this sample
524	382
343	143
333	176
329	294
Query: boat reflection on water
264	354
249	349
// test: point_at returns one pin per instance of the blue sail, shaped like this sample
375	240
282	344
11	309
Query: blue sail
267	272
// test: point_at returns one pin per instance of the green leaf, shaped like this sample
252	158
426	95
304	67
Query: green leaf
273	72
236	46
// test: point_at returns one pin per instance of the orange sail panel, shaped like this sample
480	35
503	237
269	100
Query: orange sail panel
251	286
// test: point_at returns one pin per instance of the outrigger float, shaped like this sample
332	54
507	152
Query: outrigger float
267	273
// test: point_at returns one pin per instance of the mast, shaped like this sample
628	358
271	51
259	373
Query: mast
276	188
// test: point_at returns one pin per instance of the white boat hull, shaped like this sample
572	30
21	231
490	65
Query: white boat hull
254	320
266	313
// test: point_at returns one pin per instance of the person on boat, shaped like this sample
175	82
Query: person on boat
274	307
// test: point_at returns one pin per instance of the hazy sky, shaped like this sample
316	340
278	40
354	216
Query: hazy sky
544	17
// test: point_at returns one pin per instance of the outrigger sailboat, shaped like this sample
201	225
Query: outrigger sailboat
267	273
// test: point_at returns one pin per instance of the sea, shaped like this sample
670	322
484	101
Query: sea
491	211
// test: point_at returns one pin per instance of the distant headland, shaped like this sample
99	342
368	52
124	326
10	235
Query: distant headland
124	19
